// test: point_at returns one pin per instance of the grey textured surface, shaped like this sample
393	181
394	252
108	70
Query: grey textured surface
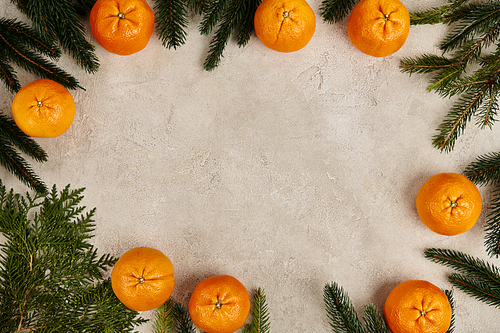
287	171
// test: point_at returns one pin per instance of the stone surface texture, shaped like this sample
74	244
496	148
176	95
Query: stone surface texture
286	171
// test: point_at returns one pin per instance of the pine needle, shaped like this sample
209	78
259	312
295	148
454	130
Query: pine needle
171	22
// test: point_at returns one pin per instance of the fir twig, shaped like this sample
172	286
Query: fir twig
164	318
485	170
23	46
48	268
260	316
59	20
340	311
473	276
233	13
182	319
12	138
477	26
334	11
171	22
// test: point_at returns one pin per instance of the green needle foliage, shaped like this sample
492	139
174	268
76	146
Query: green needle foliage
11	139
483	172
24	47
172	317
475	28
260	314
473	276
50	275
59	20
334	11
343	318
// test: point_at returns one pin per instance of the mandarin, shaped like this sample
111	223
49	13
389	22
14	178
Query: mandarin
219	304
378	27
417	306
122	27
284	25
449	204
43	109
143	278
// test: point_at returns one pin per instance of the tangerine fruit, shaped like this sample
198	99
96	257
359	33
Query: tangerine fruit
122	27
143	278
43	109
219	304
449	203
378	27
417	306
284	25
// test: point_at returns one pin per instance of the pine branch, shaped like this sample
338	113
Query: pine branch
164	319
48	268
334	11
485	170
439	14
260	316
245	26
449	294
59	20
229	22
374	320
23	46
473	276
340	311
171	22
182	319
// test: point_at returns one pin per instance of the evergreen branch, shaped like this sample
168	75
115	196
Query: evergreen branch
59	20
260	316
171	22
481	19
426	63
211	16
449	295
457	118
484	292
10	131
485	170
374	320
182	319
229	22
47	268
340	311
27	49
334	11
246	28
436	15
164	320
197	6
474	268
492	238
19	167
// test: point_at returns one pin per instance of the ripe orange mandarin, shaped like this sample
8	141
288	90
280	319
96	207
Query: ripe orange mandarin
43	109
378	27
122	27
417	306
284	25
143	278
449	204
219	304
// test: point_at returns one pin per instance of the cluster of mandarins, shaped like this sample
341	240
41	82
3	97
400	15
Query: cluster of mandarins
143	279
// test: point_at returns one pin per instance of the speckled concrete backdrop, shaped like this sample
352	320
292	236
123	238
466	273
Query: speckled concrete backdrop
287	171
